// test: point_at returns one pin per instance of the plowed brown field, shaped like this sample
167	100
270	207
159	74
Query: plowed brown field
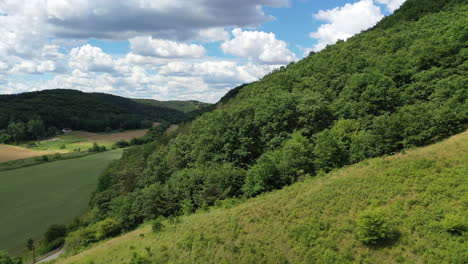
8	153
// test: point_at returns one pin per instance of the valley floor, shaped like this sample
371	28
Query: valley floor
35	197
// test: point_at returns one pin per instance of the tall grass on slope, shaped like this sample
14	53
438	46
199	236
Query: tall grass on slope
424	193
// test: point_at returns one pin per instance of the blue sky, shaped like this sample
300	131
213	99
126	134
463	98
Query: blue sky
167	49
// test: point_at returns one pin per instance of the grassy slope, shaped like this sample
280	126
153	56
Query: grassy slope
33	198
315	221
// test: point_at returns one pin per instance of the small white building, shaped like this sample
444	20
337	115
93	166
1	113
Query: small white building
67	130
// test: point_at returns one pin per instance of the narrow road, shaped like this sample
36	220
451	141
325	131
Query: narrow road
51	257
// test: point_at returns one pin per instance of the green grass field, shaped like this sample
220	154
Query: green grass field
67	143
81	141
33	198
423	192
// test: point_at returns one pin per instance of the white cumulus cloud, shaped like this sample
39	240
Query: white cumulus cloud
147	46
90	58
392	5
258	46
344	22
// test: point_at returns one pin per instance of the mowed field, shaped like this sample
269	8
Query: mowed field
82	140
8	153
127	135
33	198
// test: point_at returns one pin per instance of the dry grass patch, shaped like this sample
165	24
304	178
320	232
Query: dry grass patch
8	153
172	129
127	135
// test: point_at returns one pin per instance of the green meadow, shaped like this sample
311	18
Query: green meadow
33	198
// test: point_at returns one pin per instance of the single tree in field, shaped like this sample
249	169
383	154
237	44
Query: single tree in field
31	246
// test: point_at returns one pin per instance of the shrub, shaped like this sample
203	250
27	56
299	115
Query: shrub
136	141
138	259
455	225
121	143
57	156
45	248
79	239
374	227
45	158
95	148
6	259
55	232
157	226
107	228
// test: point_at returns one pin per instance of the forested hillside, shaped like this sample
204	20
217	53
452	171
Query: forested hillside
402	84
36	114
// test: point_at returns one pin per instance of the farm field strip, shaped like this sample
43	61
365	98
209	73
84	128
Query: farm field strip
127	135
33	198
8	152
82	140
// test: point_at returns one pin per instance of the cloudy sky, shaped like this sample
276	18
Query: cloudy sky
167	49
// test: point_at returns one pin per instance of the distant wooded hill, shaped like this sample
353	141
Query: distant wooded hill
182	106
34	114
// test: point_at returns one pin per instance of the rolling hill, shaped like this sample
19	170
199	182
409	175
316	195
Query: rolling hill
182	106
422	193
87	111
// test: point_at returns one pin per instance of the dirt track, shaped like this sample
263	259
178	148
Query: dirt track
8	153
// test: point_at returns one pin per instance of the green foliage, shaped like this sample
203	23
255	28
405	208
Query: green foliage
30	244
54	238
374	227
455	224
107	228
6	259
122	143
97	148
80	239
280	167
55	232
157	226
138	259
